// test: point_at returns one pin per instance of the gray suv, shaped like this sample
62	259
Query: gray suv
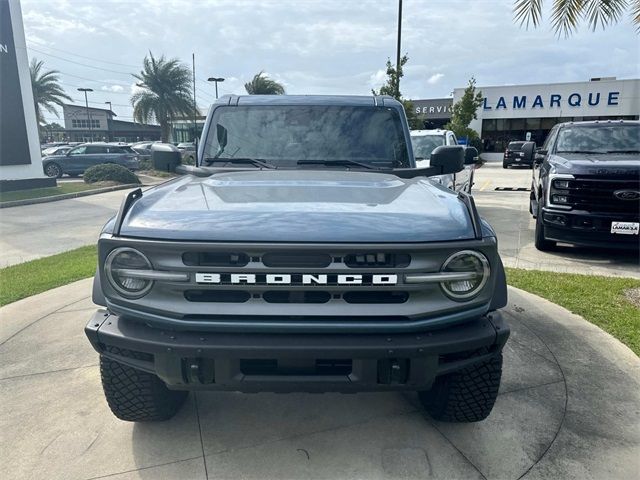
79	158
304	252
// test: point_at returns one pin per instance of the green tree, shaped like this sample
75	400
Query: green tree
464	111
47	92
566	15
390	88
263	85
165	95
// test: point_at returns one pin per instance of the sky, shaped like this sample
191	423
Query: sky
314	47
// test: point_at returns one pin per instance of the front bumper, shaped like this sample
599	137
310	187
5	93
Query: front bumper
587	229
190	360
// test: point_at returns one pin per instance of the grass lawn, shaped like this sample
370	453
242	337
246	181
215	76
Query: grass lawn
62	188
600	300
36	276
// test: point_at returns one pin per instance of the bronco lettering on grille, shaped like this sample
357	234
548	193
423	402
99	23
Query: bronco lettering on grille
295	279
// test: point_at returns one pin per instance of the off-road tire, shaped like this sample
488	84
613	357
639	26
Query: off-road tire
137	396
53	170
540	241
467	395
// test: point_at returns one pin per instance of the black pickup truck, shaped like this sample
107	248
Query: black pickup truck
304	252
586	185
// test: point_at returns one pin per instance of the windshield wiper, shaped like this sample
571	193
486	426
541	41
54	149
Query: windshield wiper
255	161
344	162
623	151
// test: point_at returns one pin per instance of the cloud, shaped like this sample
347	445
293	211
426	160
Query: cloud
112	88
378	78
435	78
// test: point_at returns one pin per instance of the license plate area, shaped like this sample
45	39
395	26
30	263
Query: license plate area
625	228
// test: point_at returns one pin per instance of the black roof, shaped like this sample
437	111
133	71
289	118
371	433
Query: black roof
593	123
346	100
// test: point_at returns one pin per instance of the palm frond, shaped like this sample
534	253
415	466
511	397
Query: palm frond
528	11
566	15
604	12
635	14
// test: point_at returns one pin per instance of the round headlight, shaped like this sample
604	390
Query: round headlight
120	267
476	267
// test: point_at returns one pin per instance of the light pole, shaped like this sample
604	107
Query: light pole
216	80
86	102
109	121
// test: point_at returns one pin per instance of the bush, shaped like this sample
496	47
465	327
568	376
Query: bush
109	172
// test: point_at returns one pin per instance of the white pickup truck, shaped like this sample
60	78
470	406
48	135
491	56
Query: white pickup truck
425	141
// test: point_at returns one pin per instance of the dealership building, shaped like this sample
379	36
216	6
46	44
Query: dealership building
518	112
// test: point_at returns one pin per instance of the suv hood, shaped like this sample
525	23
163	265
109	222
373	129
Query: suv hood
299	206
596	163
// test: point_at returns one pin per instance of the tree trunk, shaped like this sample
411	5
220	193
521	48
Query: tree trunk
164	131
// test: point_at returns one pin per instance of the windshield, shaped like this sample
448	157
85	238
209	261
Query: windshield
423	145
599	139
288	135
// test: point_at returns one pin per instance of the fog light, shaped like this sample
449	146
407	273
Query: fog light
560	199
467	261
555	219
120	268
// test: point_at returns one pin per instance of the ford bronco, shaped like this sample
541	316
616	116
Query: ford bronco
303	252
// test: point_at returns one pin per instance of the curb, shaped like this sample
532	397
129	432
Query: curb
66	196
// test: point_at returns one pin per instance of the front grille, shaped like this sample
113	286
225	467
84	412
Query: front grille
377	260
597	195
251	284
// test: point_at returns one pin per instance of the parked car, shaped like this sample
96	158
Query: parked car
513	155
143	149
306	253
586	185
86	155
53	151
188	151
425	141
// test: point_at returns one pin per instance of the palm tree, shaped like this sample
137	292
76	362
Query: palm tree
263	85
165	95
566	15
47	92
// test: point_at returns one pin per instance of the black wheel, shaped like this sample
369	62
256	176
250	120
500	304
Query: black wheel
467	395
540	241
53	170
137	396
505	165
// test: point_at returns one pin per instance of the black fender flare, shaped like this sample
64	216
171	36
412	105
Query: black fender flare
97	296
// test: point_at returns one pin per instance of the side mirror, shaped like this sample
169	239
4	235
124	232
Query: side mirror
471	156
165	157
449	158
528	151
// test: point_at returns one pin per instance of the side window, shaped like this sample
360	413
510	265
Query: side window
95	149
548	143
454	140
114	150
78	151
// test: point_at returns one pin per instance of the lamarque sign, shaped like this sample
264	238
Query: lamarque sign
519	102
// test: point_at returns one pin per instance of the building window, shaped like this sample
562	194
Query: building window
82	123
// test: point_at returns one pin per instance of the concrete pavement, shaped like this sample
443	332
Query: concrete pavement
568	408
33	231
508	213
